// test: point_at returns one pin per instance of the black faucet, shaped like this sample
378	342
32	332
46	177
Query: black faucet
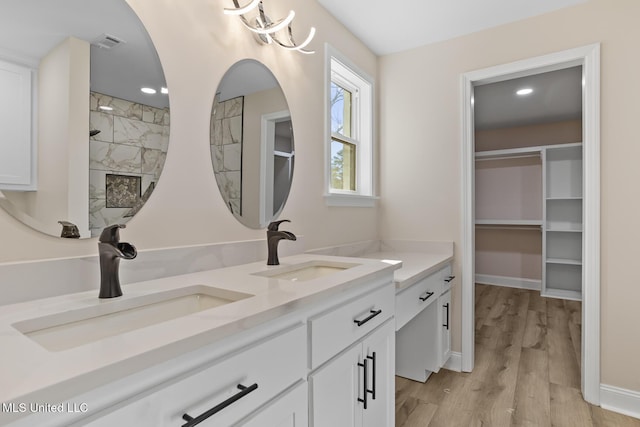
273	237
111	250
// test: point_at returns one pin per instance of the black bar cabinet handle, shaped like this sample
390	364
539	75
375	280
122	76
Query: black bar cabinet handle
364	365
446	325
219	407
429	295
373	379
373	314
450	278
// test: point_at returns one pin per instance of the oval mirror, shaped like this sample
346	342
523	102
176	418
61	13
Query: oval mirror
99	142
252	148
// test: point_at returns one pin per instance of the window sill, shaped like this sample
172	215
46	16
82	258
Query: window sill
350	200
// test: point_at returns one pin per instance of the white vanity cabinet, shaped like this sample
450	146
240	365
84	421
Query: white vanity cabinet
445	328
289	410
17	159
356	388
325	358
240	385
423	337
352	357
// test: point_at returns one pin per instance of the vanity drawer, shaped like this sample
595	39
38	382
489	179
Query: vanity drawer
447	278
417	297
338	328
274	364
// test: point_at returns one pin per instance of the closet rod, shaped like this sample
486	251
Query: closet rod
510	227
513	156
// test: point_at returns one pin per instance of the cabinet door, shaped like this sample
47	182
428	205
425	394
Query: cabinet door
417	345
336	389
289	410
379	351
16	163
445	343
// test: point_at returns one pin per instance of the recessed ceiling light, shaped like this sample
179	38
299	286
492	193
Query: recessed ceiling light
525	91
148	90
164	90
105	108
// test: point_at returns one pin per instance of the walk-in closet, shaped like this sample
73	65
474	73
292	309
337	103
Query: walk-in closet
528	183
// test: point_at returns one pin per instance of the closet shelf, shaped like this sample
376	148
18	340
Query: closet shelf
564	230
508	153
564	198
562	294
509	222
564	261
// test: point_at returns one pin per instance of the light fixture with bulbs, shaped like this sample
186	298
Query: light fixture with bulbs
265	29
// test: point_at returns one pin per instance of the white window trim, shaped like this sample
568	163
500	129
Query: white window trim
365	195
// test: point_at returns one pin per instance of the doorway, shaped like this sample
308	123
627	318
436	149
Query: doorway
588	58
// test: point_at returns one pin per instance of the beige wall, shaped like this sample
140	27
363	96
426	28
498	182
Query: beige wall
527	136
256	105
420	130
63	136
196	44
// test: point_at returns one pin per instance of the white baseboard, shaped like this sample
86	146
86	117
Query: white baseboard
455	362
620	400
510	282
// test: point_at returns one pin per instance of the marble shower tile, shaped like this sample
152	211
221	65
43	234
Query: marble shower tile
97	184
134	132
217	158
100	216
152	161
217	110
230	185
232	130
114	157
234	206
216	132
233	107
104	123
232	157
153	115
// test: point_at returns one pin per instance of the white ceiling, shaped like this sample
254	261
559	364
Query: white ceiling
556	96
387	27
393	26
29	29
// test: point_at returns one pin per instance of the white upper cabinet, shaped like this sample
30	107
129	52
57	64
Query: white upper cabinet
17	159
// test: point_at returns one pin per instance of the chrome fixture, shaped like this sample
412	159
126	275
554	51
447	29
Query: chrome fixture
265	29
111	250
273	237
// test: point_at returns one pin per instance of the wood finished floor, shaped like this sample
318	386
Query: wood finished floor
527	371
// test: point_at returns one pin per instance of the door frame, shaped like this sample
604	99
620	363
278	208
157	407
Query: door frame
267	146
589	57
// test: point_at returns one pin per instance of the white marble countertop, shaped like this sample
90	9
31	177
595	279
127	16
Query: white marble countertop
419	258
29	372
415	265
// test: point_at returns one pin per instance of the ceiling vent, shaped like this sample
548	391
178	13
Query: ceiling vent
107	41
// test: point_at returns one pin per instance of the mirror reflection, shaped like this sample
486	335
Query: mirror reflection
252	143
93	141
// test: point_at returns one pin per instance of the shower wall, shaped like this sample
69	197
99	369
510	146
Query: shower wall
226	150
125	158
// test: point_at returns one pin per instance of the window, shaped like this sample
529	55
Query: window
350	128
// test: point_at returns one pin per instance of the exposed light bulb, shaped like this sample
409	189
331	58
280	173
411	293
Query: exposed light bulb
105	108
525	91
148	90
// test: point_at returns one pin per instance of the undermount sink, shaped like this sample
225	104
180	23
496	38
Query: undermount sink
62	331
306	271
